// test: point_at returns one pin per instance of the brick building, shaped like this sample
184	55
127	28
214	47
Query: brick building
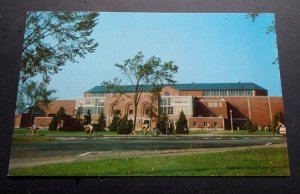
43	120
207	106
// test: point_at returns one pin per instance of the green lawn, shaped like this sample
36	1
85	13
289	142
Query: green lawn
250	162
44	132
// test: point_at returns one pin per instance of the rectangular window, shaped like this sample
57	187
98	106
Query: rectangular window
212	104
216	124
195	124
205	124
117	112
130	112
170	110
223	93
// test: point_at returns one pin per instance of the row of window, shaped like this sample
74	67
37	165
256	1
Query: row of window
91	102
167	110
96	94
228	93
174	100
94	110
205	124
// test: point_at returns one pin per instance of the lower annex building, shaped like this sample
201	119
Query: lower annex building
207	106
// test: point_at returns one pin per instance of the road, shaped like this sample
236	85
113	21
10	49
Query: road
72	146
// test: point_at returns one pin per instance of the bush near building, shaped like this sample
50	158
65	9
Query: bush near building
277	117
181	124
101	125
125	127
114	123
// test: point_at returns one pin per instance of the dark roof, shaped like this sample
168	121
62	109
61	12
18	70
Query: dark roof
189	87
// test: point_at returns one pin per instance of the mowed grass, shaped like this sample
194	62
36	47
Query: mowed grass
250	162
45	132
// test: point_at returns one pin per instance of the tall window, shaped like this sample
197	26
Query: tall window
165	105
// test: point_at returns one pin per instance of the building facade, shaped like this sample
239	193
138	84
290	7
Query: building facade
209	106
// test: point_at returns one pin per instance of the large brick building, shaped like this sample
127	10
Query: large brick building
216	106
209	106
43	120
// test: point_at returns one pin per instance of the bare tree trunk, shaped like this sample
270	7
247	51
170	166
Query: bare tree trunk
134	118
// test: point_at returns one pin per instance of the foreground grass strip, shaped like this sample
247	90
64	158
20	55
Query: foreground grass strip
251	162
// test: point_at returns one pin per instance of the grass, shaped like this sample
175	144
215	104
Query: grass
32	139
45	132
250	162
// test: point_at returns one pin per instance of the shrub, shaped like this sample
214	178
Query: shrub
53	124
181	124
162	123
250	127
124	126
102	121
114	123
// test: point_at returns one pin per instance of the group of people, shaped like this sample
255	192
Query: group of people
169	128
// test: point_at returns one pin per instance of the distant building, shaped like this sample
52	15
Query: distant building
207	106
43	120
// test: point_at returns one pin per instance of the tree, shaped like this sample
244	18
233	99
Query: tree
61	113
162	122
277	117
181	124
250	126
34	98
52	39
153	110
57	121
140	74
60	116
53	124
102	121
114	123
124	126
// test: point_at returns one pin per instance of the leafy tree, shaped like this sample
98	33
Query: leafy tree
53	124
181	124
141	73
162	122
114	123
61	113
34	97
58	119
52	39
153	106
130	124
78	113
124	126
249	126
102	121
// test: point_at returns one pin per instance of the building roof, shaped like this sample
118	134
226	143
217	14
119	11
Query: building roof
188	87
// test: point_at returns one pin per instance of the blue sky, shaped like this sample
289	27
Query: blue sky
208	48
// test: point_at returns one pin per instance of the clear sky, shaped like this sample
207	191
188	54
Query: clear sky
208	48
